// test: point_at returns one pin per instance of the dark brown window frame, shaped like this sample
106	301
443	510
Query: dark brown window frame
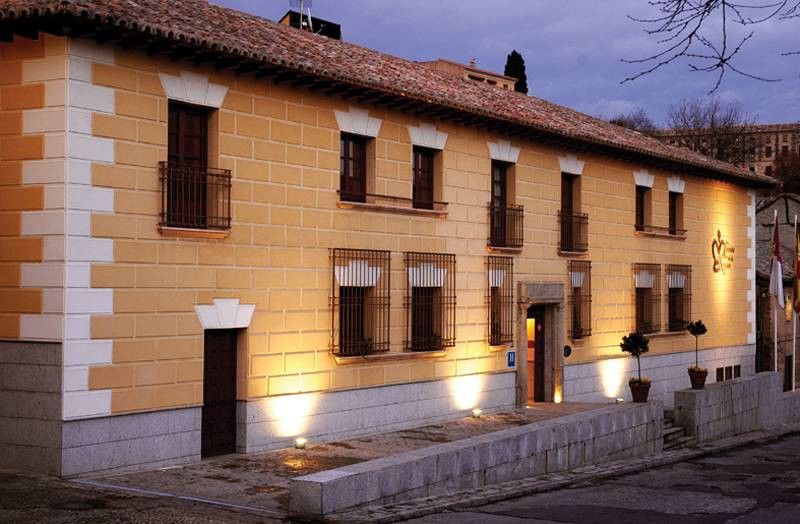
500	299
647	300
360	308
580	298
423	166
643	195
193	195
679	303
431	306
353	167
574	225
506	220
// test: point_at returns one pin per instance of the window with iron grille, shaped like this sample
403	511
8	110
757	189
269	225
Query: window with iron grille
500	299
423	177
193	195
353	168
580	277
360	284
679	283
430	301
647	281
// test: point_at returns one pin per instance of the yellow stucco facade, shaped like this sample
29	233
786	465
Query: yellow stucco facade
281	144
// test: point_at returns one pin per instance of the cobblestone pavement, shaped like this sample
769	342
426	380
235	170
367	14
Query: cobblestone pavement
758	483
36	499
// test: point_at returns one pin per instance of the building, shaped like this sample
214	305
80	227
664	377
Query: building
788	206
755	147
471	72
217	239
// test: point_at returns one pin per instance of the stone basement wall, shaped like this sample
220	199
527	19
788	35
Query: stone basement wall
737	406
608	379
131	442
30	406
272	423
609	433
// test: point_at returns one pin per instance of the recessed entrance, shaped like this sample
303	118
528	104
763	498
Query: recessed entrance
535	327
218	427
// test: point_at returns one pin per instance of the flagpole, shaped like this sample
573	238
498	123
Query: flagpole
775	301
794	311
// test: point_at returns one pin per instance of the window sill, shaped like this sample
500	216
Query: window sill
663	334
654	234
499	249
382	357
183	232
573	254
496	348
381	208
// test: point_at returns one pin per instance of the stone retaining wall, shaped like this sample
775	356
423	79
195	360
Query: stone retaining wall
608	433
736	406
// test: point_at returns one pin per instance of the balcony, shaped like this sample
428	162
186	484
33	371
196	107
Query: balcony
194	198
506	226
646	230
574	232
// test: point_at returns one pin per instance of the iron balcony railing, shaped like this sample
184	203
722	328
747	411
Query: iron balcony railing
195	197
647	228
574	232
506	226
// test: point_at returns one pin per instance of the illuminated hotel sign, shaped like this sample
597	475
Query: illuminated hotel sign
722	252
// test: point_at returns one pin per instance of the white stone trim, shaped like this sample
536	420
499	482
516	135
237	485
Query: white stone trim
43	172
225	313
42	223
85	147
90	301
53	249
357	273
42	275
89	198
503	150
496	277
193	88
571	165
40	327
676	184
83	249
643	178
76	378
78	328
86	352
87	403
89	96
426	275
358	122
426	135
43	120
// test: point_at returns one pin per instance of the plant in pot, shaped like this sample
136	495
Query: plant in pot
637	344
697	375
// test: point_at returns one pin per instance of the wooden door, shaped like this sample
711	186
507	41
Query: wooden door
537	345
499	203
187	152
218	427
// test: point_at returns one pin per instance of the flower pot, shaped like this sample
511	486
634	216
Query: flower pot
698	377
639	391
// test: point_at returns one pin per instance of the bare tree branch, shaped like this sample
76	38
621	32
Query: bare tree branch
700	31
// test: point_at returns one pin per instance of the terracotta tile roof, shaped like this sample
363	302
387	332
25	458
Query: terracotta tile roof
230	32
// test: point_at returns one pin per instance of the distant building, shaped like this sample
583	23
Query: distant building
472	73
758	146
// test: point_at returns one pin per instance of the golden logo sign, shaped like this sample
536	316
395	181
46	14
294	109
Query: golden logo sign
722	252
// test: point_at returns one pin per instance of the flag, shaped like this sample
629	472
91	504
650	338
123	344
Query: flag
776	273
796	293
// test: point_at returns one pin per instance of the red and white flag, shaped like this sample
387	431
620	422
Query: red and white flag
776	271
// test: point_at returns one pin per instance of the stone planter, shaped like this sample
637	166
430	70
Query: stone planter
698	377
639	390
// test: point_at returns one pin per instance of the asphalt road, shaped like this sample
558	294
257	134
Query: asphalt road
747	485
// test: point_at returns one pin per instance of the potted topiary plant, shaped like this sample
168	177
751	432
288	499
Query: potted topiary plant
697	375
637	344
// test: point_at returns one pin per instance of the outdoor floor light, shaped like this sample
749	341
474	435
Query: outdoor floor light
477	412
300	443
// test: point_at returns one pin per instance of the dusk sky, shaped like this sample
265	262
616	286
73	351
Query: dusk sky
572	49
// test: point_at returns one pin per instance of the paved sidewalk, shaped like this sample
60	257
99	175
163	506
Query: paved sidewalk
518	488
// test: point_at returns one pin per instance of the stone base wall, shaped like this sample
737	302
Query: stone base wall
273	422
609	433
606	380
131	442
737	406
30	406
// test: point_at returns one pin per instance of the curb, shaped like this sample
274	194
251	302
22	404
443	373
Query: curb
416	508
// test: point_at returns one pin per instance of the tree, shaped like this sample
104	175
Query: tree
711	127
515	67
638	120
786	170
703	32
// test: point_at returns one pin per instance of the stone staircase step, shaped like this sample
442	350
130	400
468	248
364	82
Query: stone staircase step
681	442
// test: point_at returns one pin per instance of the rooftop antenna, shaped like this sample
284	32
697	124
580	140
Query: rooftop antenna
303	6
